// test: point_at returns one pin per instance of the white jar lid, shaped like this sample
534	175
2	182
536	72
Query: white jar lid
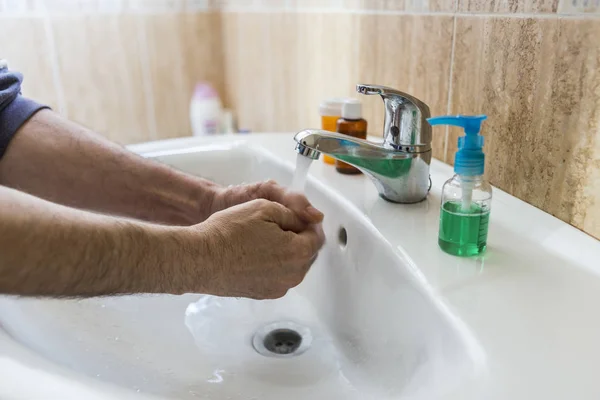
352	109
332	107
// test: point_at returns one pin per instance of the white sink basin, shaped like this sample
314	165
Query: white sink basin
378	330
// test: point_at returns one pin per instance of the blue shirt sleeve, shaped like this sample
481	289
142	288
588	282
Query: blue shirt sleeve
15	109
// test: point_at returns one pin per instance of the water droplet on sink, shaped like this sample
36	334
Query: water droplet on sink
217	376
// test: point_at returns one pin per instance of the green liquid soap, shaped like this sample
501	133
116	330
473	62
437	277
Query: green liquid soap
463	233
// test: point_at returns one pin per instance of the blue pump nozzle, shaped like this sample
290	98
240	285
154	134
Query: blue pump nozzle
469	159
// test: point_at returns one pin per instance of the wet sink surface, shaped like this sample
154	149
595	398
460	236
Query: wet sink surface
376	329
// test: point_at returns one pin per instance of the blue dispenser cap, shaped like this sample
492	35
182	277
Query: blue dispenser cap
469	159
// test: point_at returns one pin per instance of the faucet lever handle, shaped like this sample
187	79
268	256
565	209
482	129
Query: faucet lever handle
383	91
405	117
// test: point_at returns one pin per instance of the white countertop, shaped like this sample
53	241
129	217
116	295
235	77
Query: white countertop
532	300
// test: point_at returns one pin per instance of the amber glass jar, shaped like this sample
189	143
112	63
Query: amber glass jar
351	124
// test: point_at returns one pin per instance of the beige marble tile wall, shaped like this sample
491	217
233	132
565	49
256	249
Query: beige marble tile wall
533	66
126	68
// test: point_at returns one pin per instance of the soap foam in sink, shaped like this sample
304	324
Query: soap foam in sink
299	179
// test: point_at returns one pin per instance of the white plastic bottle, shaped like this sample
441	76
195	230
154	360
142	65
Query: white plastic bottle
205	110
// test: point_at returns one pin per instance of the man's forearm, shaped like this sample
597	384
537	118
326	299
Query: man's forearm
53	158
50	250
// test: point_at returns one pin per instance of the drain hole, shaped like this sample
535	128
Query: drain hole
282	341
343	237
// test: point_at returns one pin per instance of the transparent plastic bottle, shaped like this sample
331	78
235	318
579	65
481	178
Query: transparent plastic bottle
464	217
466	197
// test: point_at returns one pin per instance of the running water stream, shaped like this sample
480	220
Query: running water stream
299	179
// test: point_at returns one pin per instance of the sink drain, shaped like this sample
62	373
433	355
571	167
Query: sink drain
282	339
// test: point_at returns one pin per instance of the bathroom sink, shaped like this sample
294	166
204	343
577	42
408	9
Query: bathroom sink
364	324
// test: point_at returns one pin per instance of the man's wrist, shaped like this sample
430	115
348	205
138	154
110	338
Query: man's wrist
182	259
204	198
184	200
145	258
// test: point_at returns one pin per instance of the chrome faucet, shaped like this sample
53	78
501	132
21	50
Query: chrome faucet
399	167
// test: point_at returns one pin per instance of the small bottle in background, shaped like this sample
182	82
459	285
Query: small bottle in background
351	124
227	124
330	111
205	110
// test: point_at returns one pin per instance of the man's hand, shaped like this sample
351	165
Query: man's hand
269	190
259	249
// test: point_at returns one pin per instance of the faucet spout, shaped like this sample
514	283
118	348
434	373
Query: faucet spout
400	176
311	141
307	151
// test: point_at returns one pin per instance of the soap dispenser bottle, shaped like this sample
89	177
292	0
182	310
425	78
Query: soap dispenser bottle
466	197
